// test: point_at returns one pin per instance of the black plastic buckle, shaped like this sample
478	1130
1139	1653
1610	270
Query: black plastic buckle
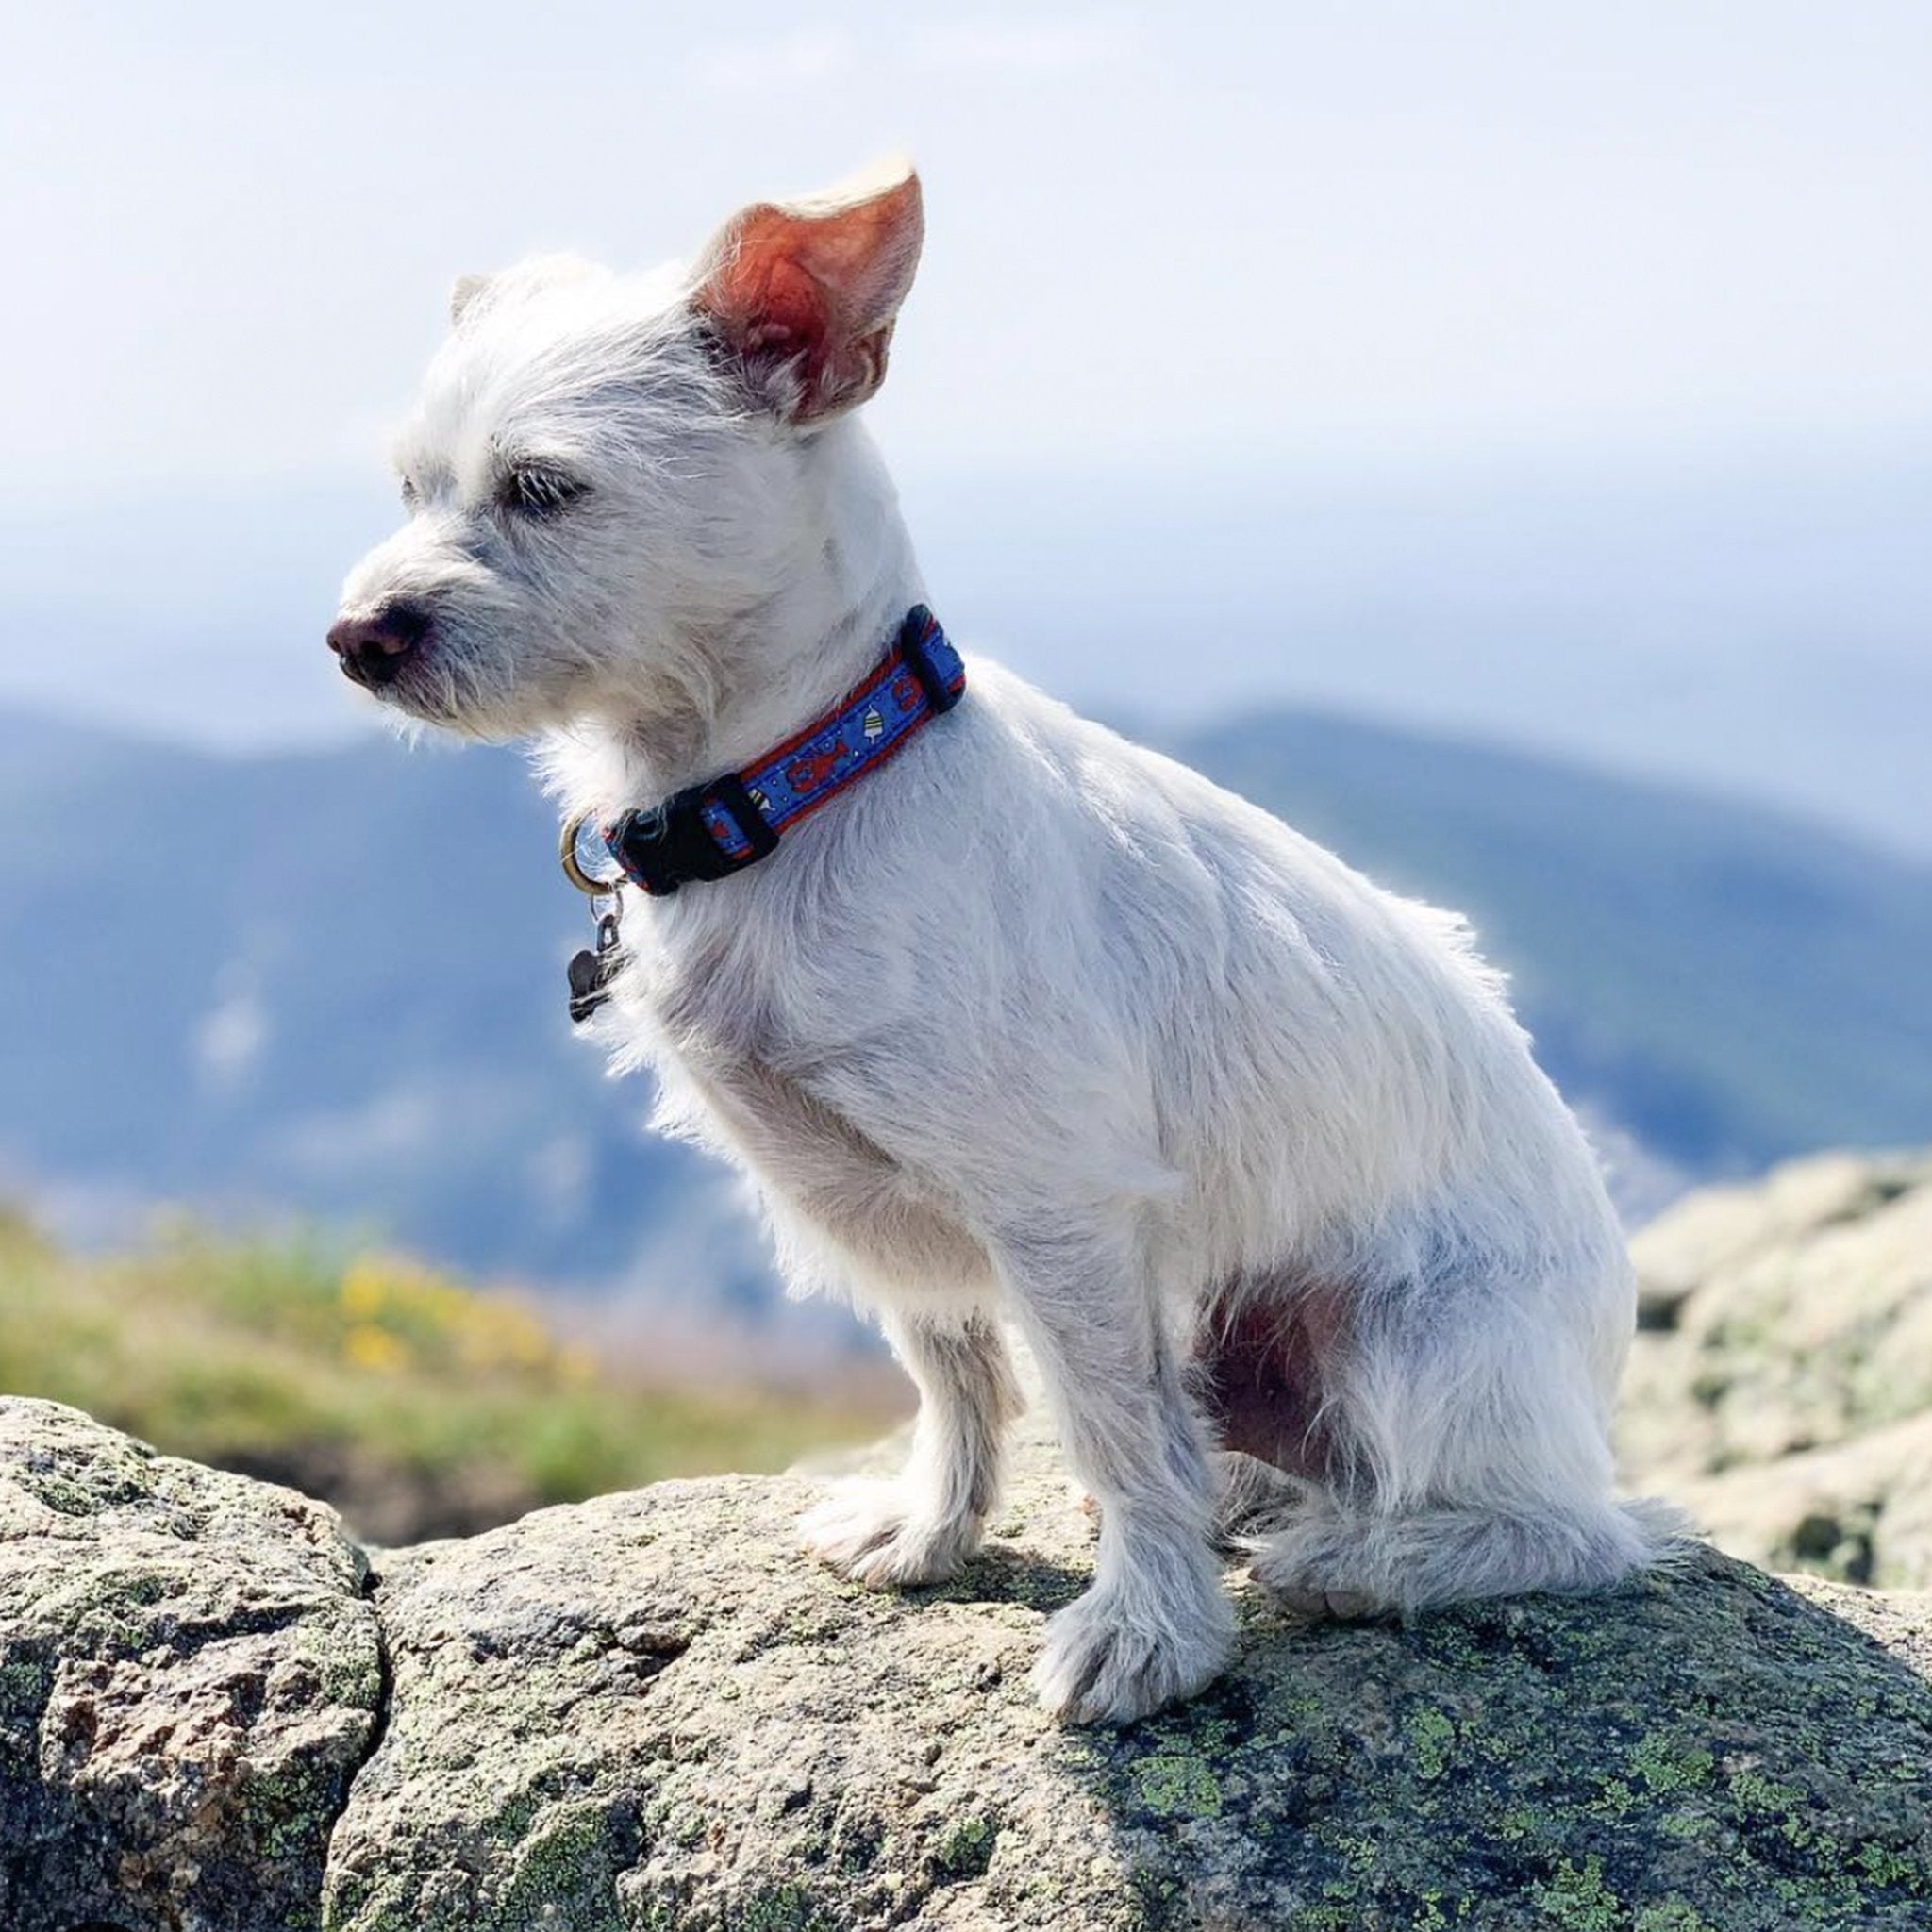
670	845
939	696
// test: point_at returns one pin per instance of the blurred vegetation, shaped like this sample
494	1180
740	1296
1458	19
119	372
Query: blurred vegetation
419	1406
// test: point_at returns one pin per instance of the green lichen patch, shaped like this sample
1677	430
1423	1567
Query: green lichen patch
1576	1899
783	1909
564	1873
1431	1735
1172	1786
967	1847
1667	1764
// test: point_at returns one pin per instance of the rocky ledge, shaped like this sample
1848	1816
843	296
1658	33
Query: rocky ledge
1781	1384
652	1711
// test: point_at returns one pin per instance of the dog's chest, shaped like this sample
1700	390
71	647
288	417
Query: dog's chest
734	1059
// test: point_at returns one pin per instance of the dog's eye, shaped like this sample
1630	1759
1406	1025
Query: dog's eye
408	491
540	492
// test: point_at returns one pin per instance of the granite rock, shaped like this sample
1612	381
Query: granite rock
191	1674
1782	1386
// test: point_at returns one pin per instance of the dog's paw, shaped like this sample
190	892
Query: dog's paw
1313	1569
871	1532
1108	1662
1325	1606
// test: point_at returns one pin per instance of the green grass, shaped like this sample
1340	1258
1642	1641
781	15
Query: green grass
417	1404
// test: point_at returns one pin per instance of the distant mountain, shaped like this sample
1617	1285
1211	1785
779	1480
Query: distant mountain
327	985
1728	985
330	984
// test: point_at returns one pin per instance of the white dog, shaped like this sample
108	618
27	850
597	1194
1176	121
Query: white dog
1028	1024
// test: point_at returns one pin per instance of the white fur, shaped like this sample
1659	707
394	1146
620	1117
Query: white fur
1032	1026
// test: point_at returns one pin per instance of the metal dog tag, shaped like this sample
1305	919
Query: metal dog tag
593	970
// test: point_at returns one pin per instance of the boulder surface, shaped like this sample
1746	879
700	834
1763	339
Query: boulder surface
190	1674
652	1711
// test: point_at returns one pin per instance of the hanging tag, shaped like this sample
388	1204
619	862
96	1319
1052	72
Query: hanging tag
593	970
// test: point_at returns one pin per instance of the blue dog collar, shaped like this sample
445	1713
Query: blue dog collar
710	831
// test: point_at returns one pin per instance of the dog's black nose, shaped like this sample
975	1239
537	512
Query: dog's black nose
374	649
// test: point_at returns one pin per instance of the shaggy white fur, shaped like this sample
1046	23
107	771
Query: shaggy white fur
1031	1026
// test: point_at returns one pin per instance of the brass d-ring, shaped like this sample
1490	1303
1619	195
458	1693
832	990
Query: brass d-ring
567	857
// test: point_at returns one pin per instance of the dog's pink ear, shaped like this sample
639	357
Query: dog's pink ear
805	293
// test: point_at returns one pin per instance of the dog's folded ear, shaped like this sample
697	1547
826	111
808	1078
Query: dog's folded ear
804	294
469	289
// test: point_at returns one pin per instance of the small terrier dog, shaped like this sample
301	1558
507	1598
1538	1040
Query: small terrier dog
1029	1026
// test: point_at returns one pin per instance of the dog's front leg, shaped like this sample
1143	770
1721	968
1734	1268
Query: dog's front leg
1156	1625
922	1527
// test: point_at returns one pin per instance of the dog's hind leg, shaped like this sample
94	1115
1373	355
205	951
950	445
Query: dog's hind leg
1346	1562
1471	1456
1155	1625
923	1526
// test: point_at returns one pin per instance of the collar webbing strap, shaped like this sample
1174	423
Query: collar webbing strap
712	831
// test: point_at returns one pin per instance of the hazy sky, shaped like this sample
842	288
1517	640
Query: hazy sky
1355	226
1556	370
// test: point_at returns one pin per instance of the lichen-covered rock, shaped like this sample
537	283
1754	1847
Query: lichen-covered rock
652	1714
1716	1229
1784	1384
190	1674
1859	1509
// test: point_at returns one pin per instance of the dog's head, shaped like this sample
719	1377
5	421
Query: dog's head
604	471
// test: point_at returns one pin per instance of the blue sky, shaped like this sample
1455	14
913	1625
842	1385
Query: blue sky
1665	262
1376	228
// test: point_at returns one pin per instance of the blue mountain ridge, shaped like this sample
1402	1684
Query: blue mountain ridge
328	985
